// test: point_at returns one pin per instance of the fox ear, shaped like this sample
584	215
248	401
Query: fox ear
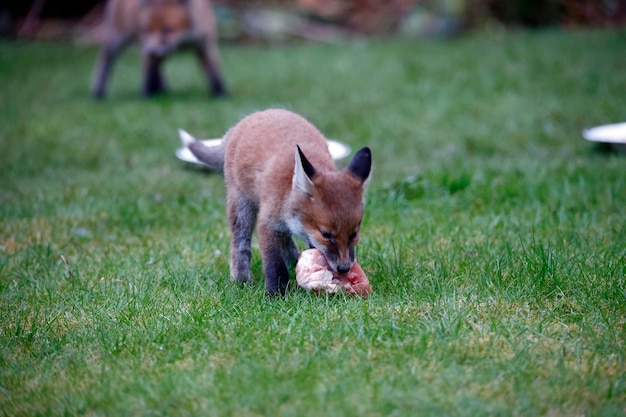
361	164
303	171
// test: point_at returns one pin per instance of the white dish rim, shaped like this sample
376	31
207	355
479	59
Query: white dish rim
609	133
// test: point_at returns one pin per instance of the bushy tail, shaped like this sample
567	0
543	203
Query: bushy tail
211	156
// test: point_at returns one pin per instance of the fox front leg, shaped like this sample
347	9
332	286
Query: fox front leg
274	266
108	53
153	78
290	249
242	215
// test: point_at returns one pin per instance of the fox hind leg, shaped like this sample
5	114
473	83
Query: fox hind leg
209	59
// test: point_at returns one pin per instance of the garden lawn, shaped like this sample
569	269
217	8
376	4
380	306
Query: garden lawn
494	235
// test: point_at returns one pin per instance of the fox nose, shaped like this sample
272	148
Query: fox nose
342	269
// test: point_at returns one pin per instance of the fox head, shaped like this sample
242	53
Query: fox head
163	25
330	207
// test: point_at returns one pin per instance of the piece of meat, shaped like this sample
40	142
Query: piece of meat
314	274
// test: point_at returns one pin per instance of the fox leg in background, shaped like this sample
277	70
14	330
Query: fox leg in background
153	82
242	215
108	53
208	54
290	249
275	269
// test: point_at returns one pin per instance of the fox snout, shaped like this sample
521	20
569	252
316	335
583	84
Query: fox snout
339	262
340	267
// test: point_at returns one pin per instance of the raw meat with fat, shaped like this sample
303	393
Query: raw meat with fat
314	274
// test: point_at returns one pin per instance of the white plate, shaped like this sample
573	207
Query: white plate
337	150
614	133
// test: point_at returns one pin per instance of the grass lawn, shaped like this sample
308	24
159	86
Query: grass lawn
494	235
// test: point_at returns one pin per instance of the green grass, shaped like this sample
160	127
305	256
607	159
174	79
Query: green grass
494	236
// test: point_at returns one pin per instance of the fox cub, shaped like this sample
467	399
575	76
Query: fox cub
270	183
162	26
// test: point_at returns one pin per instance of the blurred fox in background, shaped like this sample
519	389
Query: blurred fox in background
162	26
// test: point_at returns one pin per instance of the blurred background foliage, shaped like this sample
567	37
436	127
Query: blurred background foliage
326	20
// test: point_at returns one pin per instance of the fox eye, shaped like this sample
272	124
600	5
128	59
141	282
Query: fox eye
326	235
353	236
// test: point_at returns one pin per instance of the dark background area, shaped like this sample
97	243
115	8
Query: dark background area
32	18
51	8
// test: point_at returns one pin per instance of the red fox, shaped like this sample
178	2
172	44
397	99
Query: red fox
269	180
162	27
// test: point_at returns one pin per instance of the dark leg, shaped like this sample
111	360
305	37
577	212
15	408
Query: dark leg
108	53
209	58
274	266
242	218
153	79
290	249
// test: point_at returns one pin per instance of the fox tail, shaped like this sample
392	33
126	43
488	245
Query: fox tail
211	156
